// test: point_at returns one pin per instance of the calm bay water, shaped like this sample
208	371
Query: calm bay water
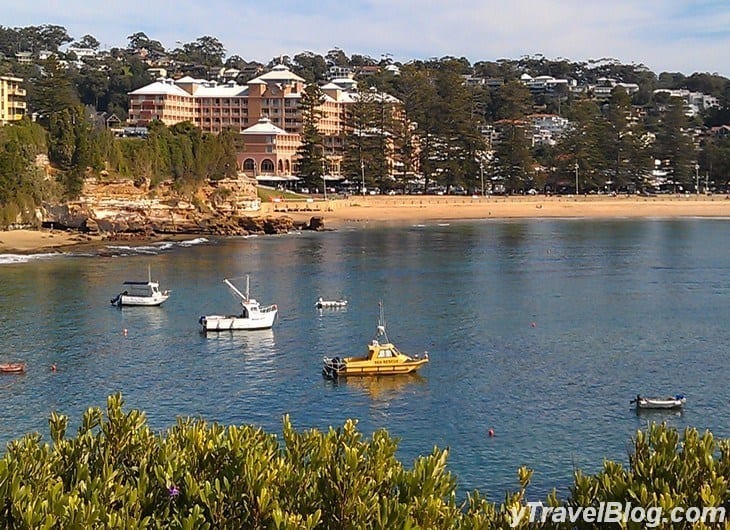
543	330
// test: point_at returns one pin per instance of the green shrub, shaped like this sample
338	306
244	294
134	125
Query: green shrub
117	473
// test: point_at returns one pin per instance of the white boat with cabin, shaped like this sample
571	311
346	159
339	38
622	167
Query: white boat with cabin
141	293
253	316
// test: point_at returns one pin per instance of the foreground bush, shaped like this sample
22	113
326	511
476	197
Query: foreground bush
117	473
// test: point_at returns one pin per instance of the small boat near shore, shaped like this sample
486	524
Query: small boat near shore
382	358
659	403
12	368
141	293
330	304
253	316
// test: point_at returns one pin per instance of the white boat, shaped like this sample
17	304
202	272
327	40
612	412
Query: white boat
659	403
141	293
253	316
326	304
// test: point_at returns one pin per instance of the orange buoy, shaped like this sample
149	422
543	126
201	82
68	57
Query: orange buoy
53	367
491	432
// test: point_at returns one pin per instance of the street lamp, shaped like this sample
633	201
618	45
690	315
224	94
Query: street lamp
362	172
481	172
576	178
324	179
697	179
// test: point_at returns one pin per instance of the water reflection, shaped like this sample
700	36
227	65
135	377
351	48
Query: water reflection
255	344
153	317
383	388
658	414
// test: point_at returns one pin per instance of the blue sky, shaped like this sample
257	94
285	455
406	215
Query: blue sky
665	35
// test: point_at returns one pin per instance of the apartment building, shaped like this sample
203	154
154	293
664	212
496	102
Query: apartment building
547	128
546	84
266	111
694	102
12	99
604	87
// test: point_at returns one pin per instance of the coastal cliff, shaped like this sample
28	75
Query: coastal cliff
123	209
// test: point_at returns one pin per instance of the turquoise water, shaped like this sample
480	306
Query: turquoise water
541	330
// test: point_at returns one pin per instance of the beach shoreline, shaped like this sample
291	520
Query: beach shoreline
26	241
358	211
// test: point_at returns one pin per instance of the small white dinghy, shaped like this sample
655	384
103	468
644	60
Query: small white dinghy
253	316
659	403
327	304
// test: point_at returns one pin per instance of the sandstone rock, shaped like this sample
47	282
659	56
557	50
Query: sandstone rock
278	225
132	207
316	223
91	226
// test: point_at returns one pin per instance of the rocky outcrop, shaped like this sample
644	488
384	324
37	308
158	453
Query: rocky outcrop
316	223
226	207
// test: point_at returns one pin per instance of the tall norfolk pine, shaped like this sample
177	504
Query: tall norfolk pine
117	473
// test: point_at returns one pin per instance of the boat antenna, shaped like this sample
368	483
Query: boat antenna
381	322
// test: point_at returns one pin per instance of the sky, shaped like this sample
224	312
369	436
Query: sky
664	35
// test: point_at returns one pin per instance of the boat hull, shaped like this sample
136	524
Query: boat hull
660	405
237	323
330	304
336	368
149	301
12	368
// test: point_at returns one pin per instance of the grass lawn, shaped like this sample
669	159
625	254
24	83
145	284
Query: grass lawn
266	194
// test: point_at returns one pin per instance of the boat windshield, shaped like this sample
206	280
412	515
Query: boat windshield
386	352
138	289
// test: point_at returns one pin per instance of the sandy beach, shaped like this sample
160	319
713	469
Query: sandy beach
414	209
361	211
26	241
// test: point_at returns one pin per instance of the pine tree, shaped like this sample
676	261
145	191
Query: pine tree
674	145
360	158
310	153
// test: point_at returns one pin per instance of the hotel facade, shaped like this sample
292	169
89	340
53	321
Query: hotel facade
266	111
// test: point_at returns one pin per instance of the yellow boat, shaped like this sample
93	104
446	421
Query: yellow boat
382	358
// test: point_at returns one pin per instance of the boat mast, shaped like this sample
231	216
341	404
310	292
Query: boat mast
235	290
381	322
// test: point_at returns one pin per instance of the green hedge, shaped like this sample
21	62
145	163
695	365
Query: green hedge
117	473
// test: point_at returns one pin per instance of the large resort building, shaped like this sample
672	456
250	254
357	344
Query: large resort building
266	111
12	99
